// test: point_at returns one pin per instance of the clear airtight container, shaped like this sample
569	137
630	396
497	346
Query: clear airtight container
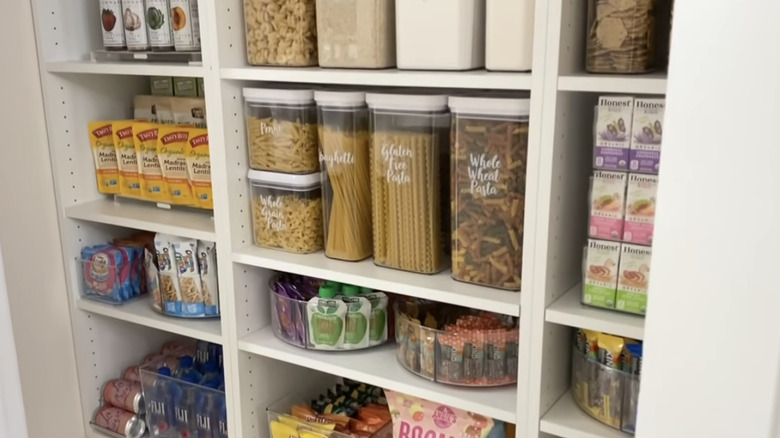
408	135
489	151
356	33
346	184
281	130
281	32
286	211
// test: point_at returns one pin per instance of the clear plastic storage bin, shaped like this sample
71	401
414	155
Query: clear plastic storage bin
346	182
489	151
440	34
286	211
606	394
281	32
356	33
509	35
281	130
408	135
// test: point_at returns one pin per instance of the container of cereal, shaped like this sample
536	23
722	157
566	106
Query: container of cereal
356	33
281	130
408	135
281	32
286	211
490	143
346	165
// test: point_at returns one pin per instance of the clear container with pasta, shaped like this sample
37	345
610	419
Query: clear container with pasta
346	183
286	211
489	151
281	130
409	133
281	32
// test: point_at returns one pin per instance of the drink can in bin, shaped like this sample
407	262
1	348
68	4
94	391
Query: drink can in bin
124	394
119	421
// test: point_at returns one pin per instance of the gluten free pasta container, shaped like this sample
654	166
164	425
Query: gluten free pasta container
489	147
356	33
408	135
281	130
281	32
286	211
346	182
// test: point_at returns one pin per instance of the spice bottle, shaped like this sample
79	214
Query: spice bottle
112	25
158	22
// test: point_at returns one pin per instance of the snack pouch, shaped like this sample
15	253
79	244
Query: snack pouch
635	354
169	280
189	111
207	263
101	266
172	145
185	252
101	140
610	350
199	168
591	344
415	417
153	187
127	162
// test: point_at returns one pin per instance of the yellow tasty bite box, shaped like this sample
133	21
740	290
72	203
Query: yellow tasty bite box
172	145
153	186
101	139
127	161
199	168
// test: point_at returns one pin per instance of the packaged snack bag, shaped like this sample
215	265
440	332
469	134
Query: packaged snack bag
101	139
169	279
185	252
199	168
127	162
207	262
414	417
153	187
172	145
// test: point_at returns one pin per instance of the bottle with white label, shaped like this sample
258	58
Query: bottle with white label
134	18
186	26
112	25
158	23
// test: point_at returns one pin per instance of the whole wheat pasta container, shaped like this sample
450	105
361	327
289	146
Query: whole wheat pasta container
409	133
489	148
281	130
286	211
356	33
346	183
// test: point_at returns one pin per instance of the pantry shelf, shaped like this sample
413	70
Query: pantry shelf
566	420
378	366
146	216
140	312
125	68
440	287
652	83
479	79
569	311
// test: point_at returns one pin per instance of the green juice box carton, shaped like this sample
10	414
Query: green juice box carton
633	278
601	270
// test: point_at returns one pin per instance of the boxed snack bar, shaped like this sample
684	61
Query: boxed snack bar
647	129
607	201
601	268
633	280
613	132
640	209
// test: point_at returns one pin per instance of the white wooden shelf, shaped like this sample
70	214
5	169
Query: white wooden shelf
140	312
125	68
480	79
146	216
439	287
378	366
569	311
566	420
651	83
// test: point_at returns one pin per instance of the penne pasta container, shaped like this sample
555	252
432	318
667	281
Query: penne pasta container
346	183
408	135
281	130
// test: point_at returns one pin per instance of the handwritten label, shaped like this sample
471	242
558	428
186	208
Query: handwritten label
484	174
270	128
273	212
337	158
398	160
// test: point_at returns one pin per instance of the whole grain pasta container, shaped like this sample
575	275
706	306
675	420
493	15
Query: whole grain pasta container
286	211
623	35
281	130
356	33
408	135
489	147
346	182
281	32
509	35
440	34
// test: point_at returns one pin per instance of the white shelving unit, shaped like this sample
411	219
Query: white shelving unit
259	368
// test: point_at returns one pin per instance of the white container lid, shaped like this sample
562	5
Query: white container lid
490	106
340	98
290	180
277	95
409	102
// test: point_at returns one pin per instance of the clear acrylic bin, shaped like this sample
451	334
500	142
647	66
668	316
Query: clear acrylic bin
100	281
410	141
464	358
606	394
281	32
356	33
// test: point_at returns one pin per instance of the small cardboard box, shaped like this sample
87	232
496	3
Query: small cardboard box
161	85
640	209
201	88
633	280
185	87
601	269
647	128
607	205
613	132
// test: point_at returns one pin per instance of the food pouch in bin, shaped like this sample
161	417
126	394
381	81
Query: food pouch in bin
107	272
415	417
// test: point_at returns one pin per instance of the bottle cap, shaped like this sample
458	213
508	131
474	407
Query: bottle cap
327	291
366	290
210	367
350	290
185	361
164	371
334	284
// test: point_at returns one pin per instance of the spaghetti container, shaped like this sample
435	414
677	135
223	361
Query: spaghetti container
408	135
346	187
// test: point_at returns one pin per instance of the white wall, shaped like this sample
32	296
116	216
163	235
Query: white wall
30	239
713	325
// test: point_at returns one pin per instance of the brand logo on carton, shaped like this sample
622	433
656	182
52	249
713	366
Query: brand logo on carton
444	417
149	134
596	244
636	250
609	175
125	133
642	178
102	131
649	105
174	137
606	101
200	140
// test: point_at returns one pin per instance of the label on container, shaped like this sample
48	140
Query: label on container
158	21
398	163
484	174
185	23
338	157
134	18
272	212
111	23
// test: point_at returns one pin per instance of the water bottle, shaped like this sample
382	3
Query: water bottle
206	411
187	368
184	406
158	410
221	430
210	373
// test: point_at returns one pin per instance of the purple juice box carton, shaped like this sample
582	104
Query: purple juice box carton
647	130
613	132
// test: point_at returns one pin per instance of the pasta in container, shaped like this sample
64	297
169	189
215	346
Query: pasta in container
286	211
346	183
281	130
